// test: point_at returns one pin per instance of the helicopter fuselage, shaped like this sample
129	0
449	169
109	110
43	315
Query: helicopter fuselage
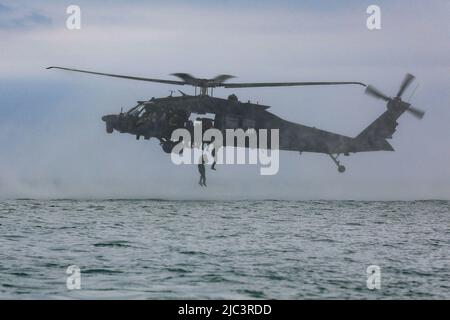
161	116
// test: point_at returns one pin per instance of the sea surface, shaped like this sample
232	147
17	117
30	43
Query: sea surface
157	249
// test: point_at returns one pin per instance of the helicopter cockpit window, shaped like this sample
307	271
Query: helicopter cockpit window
140	111
132	109
136	110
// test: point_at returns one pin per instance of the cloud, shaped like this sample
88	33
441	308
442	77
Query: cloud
22	18
4	9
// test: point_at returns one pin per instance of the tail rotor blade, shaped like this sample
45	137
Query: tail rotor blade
372	91
416	112
406	82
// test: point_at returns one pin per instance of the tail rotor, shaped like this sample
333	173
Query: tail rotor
409	78
397	101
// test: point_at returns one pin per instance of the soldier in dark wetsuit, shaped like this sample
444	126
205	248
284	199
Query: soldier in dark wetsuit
201	170
206	125
213	153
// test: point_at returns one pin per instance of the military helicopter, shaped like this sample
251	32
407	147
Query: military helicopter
159	117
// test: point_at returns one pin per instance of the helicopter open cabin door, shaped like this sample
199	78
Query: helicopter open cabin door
248	124
231	122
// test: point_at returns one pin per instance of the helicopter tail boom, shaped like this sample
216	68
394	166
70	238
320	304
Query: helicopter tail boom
373	138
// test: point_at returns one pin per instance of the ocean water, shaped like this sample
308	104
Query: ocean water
156	249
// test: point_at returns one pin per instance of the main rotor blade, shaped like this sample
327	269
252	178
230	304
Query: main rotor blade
416	112
372	91
186	77
284	84
222	77
121	76
202	82
406	82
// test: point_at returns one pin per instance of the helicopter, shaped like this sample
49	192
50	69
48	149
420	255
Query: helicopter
160	117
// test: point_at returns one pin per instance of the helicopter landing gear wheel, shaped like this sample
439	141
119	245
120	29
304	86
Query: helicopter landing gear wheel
340	167
167	146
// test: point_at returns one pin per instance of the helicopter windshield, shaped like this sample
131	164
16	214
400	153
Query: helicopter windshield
138	110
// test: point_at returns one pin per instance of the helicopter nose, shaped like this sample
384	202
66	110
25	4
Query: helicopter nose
111	122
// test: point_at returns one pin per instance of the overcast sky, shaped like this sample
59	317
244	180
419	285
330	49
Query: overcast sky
53	142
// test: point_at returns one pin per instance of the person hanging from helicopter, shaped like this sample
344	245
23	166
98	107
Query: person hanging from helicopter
211	146
213	153
202	171
201	165
206	125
